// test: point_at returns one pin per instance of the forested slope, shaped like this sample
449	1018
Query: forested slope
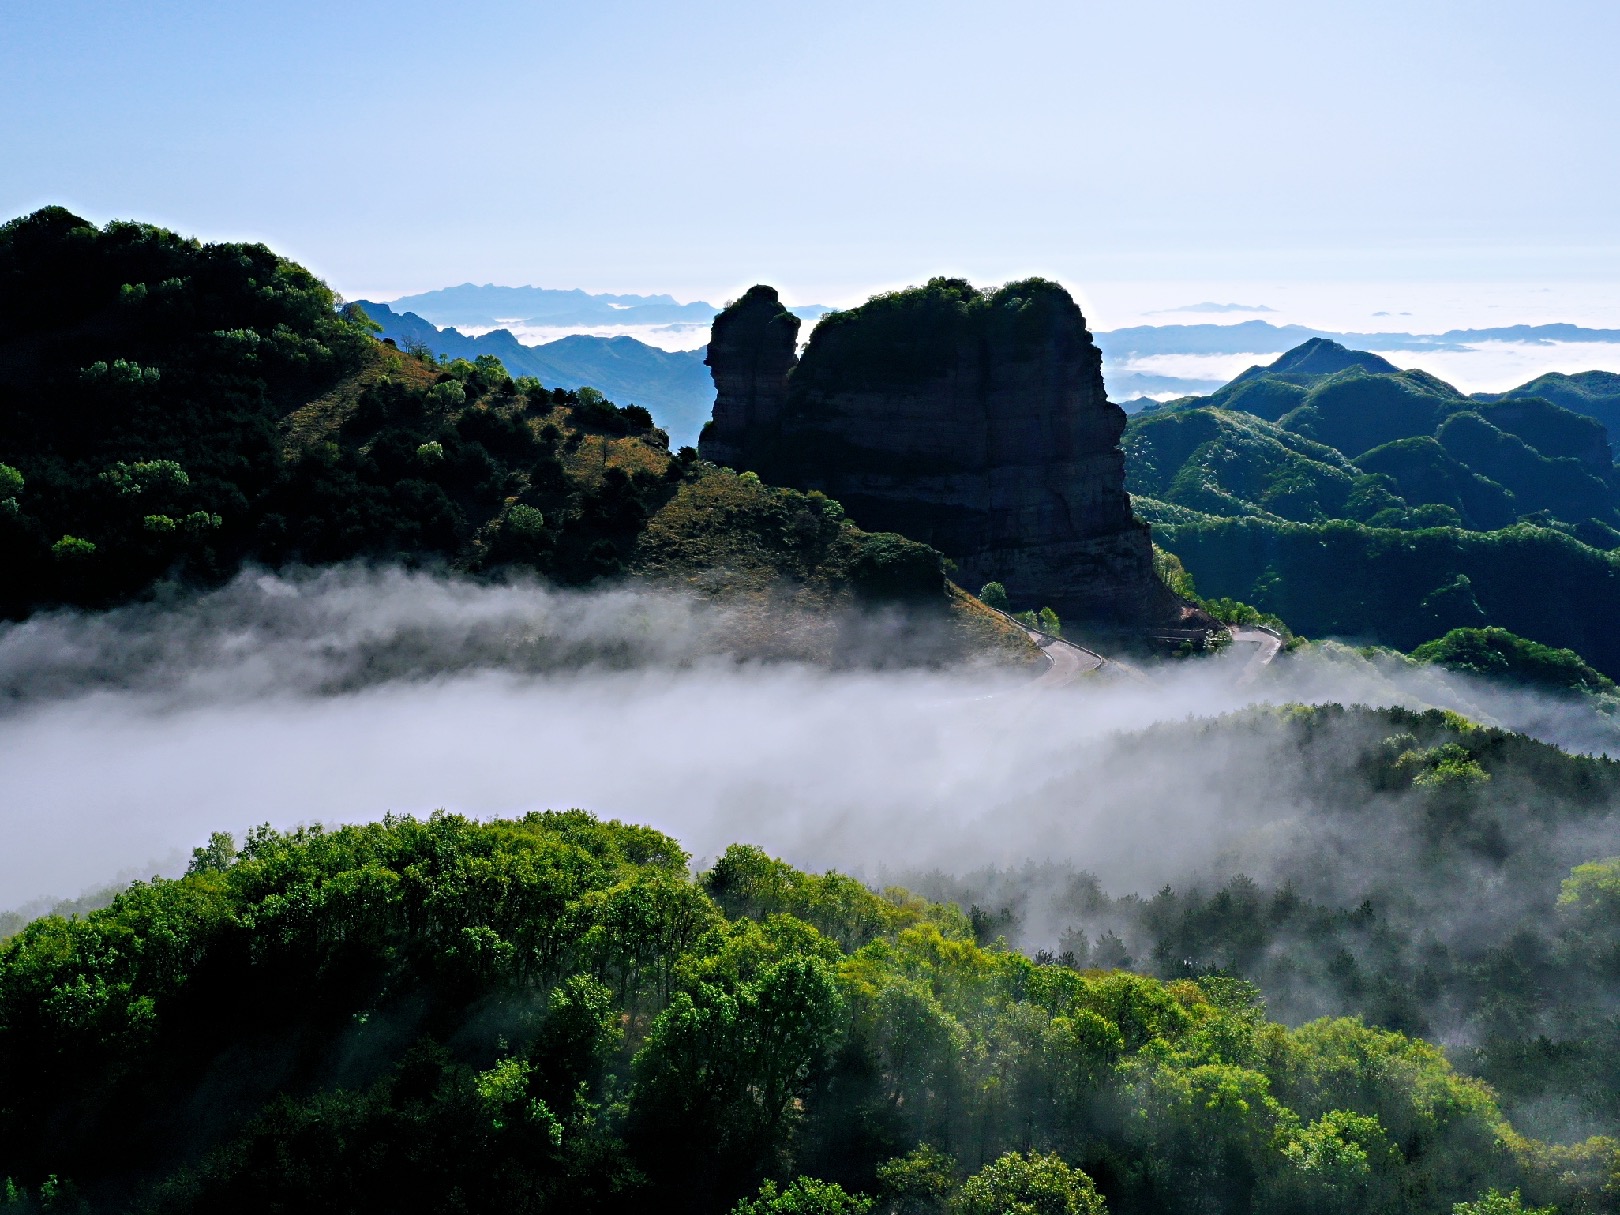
1354	499
550	1014
170	411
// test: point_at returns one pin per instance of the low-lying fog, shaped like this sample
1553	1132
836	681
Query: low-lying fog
127	737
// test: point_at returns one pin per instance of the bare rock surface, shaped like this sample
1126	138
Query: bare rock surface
975	422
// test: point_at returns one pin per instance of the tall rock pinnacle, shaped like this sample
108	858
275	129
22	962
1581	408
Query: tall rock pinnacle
752	348
975	422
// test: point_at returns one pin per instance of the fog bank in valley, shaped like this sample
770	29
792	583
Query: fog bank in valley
127	737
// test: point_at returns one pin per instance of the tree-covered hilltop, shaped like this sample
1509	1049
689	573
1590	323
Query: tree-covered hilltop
550	1013
171	410
1353	499
1593	393
1325	434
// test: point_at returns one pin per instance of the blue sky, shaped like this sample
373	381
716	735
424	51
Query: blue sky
836	147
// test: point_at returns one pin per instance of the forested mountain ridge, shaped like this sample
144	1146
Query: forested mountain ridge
172	410
549	1013
1354	499
1594	393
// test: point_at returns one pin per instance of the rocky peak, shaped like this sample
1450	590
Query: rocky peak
752	348
973	421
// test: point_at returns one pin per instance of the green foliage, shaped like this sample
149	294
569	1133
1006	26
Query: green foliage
806	1196
1308	463
548	1013
1047	621
1231	463
889	566
1230	611
11	481
1493	1202
994	594
73	548
1593	890
901	338
449	394
1401	588
918	1183
526	522
1498	654
1173	574
214	857
1017	1184
155	477
141	374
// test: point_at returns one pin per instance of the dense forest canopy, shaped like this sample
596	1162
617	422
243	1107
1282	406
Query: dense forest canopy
550	1013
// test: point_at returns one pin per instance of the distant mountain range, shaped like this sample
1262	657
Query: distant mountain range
673	385
1262	337
1132	388
471	306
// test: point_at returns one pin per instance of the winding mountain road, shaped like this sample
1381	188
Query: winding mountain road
1267	644
1066	662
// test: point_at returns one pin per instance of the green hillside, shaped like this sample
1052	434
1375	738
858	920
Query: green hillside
1593	393
1402	588
171	410
1354	499
551	1014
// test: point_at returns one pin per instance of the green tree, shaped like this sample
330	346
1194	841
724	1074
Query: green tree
918	1183
1494	1202
1034	1184
994	594
805	1196
73	547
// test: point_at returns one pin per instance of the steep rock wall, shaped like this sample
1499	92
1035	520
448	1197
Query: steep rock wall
974	422
752	348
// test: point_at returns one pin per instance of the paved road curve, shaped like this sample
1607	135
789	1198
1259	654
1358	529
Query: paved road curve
1066	662
1266	644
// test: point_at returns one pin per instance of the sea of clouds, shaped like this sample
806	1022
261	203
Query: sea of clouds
126	737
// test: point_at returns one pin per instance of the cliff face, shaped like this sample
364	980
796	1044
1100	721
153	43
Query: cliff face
976	423
752	348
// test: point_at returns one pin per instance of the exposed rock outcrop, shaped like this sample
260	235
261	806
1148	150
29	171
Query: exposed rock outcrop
752	348
973	422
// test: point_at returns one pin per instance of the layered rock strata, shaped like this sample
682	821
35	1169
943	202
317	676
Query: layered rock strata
975	422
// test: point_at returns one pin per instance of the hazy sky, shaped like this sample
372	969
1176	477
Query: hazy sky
835	147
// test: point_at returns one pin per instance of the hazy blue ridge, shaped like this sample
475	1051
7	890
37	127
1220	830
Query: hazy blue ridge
1262	337
673	385
472	305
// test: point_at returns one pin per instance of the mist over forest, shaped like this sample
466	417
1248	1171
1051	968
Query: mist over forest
428	788
362	689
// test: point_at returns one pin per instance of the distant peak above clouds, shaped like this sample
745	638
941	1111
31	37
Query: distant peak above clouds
1212	307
